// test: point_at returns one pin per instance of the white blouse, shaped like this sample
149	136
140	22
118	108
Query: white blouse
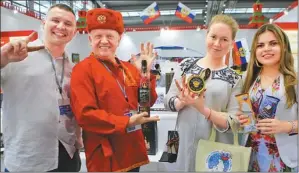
222	86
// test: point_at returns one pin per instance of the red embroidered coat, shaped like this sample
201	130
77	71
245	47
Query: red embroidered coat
99	106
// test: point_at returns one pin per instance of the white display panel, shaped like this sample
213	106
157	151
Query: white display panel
293	37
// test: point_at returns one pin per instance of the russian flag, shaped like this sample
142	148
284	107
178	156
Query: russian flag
240	52
151	13
185	13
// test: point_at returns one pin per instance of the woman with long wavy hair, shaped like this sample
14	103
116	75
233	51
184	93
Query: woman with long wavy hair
271	82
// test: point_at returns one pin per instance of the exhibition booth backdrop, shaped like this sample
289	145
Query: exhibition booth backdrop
184	43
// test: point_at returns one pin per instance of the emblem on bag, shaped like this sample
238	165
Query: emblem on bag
219	161
196	83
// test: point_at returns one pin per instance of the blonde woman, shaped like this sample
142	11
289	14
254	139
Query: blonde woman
196	116
271	83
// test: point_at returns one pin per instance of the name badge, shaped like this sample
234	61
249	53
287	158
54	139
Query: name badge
67	123
133	128
65	107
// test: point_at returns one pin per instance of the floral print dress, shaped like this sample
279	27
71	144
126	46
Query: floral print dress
265	156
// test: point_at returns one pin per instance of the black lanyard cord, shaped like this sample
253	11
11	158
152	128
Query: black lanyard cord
59	84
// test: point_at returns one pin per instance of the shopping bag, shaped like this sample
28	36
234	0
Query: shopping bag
172	147
219	157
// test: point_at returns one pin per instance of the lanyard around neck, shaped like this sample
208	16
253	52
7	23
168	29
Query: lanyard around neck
59	84
123	89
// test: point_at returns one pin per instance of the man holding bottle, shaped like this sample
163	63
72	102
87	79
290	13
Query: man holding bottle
104	98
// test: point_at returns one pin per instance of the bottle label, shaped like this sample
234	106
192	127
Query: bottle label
144	109
144	95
